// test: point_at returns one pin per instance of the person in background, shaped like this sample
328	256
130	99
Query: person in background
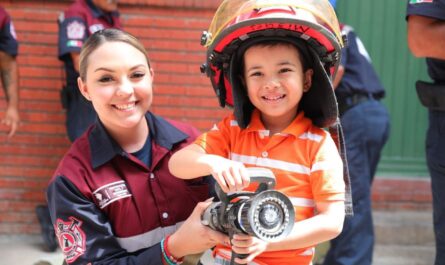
76	24
426	39
112	198
366	125
9	72
79	21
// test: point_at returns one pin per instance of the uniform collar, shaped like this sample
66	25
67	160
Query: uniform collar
97	12
104	148
298	126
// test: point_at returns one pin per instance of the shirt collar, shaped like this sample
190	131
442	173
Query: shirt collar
298	126
104	148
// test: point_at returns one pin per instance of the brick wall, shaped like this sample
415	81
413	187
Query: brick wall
169	29
401	194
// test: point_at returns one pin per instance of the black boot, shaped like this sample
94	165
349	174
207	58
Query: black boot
48	235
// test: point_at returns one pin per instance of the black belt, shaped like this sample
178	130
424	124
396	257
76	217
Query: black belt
346	103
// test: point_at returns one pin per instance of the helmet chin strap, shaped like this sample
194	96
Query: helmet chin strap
337	135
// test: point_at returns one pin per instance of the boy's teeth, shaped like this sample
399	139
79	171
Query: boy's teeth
273	98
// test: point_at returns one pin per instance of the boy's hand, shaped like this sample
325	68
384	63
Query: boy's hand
231	175
245	244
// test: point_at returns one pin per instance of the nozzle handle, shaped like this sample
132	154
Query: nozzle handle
236	255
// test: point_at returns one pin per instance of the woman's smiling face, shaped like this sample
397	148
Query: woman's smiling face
118	82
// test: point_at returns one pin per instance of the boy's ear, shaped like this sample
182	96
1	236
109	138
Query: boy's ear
83	89
307	82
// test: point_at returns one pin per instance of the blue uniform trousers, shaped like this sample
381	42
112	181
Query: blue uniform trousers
435	155
366	130
80	114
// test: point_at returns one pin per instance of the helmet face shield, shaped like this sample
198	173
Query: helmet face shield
237	22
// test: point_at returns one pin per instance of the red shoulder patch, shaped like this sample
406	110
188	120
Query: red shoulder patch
71	238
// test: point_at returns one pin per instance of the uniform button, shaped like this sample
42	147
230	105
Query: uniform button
152	176
165	215
264	154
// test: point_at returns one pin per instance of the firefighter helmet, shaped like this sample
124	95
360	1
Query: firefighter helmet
310	25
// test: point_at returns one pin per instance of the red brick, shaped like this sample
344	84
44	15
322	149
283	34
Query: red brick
404	193
44	61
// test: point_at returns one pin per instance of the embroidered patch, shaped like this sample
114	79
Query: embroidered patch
75	30
111	192
420	1
71	238
96	27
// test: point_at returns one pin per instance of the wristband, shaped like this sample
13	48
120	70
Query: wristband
166	254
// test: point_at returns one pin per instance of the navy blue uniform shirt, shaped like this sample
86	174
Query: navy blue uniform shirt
433	9
8	37
360	76
76	24
109	207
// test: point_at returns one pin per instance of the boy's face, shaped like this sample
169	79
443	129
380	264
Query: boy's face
275	82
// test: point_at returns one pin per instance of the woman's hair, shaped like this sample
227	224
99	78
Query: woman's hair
103	36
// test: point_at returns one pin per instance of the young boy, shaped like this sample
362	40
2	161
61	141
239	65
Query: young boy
276	82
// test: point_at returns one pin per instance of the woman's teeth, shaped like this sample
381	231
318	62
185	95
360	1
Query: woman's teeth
125	106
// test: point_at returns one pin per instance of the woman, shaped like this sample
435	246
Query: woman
112	199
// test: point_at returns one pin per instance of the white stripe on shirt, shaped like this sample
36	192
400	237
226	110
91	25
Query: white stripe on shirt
270	163
148	239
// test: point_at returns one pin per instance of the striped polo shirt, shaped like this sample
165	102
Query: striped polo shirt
303	157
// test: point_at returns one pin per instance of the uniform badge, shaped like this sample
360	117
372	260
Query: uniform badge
75	30
111	192
71	238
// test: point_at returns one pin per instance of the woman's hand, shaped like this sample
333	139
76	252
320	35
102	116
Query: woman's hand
193	237
245	244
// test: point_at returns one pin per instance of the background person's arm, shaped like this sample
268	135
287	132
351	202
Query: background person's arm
9	77
338	76
426	37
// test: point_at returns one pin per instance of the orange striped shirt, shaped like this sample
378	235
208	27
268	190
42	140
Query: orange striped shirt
304	159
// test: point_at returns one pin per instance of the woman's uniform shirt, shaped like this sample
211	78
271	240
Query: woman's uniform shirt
303	158
108	207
